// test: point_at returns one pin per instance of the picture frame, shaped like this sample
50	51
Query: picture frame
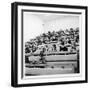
39	54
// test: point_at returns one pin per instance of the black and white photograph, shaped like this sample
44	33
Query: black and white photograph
54	48
50	44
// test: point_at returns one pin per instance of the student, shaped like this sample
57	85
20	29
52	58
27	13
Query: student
54	47
42	59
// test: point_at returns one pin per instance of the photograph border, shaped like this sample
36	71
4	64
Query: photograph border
14	42
22	23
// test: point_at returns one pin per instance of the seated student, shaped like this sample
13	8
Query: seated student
27	50
63	48
69	41
54	46
57	46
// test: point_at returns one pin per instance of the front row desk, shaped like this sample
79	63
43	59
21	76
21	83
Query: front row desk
56	63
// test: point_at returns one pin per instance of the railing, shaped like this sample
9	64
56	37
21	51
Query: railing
48	54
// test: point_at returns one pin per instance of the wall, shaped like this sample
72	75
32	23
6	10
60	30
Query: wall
33	26
63	23
5	46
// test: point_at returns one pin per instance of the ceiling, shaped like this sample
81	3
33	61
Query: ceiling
48	16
